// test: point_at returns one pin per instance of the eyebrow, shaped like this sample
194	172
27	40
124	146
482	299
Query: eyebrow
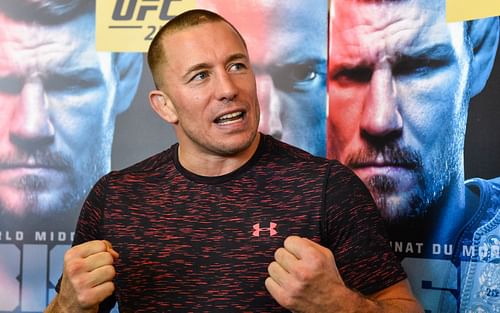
203	66
438	51
442	50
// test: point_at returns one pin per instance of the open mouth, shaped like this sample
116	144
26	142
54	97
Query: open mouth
230	118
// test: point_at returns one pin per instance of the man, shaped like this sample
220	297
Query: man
196	225
287	44
59	100
400	80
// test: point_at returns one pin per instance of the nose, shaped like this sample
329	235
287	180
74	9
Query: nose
226	88
381	119
32	128
270	107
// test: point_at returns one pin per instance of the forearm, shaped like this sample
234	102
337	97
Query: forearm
400	306
56	307
396	299
367	305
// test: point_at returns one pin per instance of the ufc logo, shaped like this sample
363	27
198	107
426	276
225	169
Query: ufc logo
119	14
271	229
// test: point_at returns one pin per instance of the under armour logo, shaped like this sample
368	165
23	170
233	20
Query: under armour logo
271	229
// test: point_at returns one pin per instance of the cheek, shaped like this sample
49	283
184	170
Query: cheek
432	115
80	129
343	115
341	133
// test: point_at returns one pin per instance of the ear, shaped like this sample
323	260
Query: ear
128	67
163	106
483	34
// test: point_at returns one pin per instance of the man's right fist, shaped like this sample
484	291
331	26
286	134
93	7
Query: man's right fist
87	277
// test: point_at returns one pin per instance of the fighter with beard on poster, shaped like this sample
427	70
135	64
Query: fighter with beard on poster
59	100
400	81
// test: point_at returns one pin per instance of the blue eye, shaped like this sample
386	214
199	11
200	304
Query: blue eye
200	76
299	77
419	66
237	67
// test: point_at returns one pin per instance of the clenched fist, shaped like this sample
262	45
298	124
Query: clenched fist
304	277
87	277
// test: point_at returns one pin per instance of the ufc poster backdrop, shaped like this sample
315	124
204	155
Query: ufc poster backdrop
401	82
392	90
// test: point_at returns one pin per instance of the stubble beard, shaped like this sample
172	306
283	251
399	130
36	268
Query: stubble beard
37	211
432	180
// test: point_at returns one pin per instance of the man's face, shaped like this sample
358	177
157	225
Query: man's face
209	80
287	45
397	100
56	96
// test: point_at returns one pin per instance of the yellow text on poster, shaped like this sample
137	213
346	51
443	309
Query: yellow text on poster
130	25
464	10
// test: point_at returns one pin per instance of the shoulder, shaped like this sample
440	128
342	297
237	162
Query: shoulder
278	155
151	163
283	152
151	167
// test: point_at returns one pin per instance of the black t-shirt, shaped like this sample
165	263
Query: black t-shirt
203	244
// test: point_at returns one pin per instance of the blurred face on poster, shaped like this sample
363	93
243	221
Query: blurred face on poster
57	111
287	46
398	95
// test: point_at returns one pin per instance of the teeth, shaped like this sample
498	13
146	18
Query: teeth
229	116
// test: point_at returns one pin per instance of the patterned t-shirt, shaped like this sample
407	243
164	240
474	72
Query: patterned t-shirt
190	243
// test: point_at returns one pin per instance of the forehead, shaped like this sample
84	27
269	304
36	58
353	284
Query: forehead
375	30
204	43
275	30
27	48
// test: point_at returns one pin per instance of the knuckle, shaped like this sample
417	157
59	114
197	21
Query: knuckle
70	254
304	273
105	258
272	267
289	240
277	253
73	267
111	271
86	299
316	260
303	276
287	300
80	282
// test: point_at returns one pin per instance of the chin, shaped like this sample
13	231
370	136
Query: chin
237	146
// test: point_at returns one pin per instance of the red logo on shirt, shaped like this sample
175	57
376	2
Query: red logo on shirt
271	229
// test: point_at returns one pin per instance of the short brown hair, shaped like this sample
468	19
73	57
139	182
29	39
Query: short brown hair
156	53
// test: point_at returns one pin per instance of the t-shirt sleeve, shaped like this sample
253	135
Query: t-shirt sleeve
88	227
355	233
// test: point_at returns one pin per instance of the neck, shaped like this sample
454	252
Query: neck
449	215
213	164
